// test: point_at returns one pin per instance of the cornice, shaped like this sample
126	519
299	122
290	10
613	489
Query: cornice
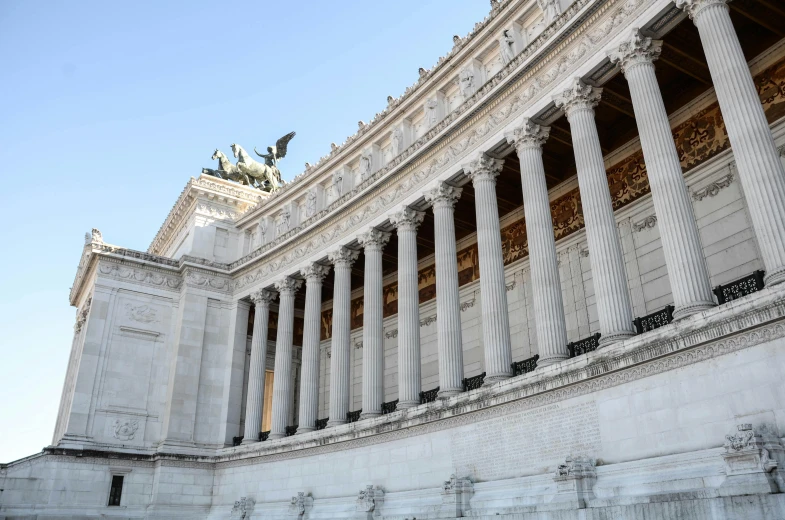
205	190
542	43
511	97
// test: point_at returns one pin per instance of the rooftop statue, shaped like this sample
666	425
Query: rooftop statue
247	171
226	170
274	154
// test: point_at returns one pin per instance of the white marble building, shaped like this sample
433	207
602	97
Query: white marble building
544	282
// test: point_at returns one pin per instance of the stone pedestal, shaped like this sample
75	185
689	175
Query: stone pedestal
456	495
749	468
575	481
369	503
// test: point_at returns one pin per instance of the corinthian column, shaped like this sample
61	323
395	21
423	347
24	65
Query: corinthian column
282	382
373	303
255	395
548	305
607	262
409	379
678	230
448	304
493	291
760	168
342	259
309	372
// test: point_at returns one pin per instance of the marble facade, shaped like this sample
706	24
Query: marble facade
394	291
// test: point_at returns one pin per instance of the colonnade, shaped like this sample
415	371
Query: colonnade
760	170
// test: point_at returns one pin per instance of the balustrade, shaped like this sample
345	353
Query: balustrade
582	346
429	396
654	320
472	383
741	287
525	366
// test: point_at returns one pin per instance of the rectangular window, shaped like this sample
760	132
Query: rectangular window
116	491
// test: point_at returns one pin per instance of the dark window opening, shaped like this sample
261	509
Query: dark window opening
116	491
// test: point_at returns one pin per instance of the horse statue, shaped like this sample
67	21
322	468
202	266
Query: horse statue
263	175
226	170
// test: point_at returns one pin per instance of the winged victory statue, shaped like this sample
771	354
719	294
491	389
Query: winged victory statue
264	176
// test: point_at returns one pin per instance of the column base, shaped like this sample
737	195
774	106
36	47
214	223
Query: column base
615	337
775	277
275	436
304	430
370	415
541	363
491	380
692	308
448	392
250	441
407	404
330	424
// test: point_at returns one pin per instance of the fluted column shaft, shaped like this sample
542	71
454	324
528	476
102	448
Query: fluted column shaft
760	169
546	284
309	372
681	244
607	261
493	291
409	364
448	303
254	400
373	243
340	359
282	382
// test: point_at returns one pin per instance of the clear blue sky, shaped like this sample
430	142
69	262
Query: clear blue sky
108	108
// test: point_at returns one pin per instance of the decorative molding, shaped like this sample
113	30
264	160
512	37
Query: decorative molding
124	429
206	280
468	304
428	321
391	334
142	276
510	286
647	223
711	190
141	313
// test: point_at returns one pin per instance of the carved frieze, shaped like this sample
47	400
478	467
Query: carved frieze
143	276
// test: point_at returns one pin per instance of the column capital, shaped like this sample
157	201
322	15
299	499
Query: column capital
443	195
528	135
263	297
373	239
579	96
288	285
483	167
637	49
315	273
407	219
343	257
694	7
